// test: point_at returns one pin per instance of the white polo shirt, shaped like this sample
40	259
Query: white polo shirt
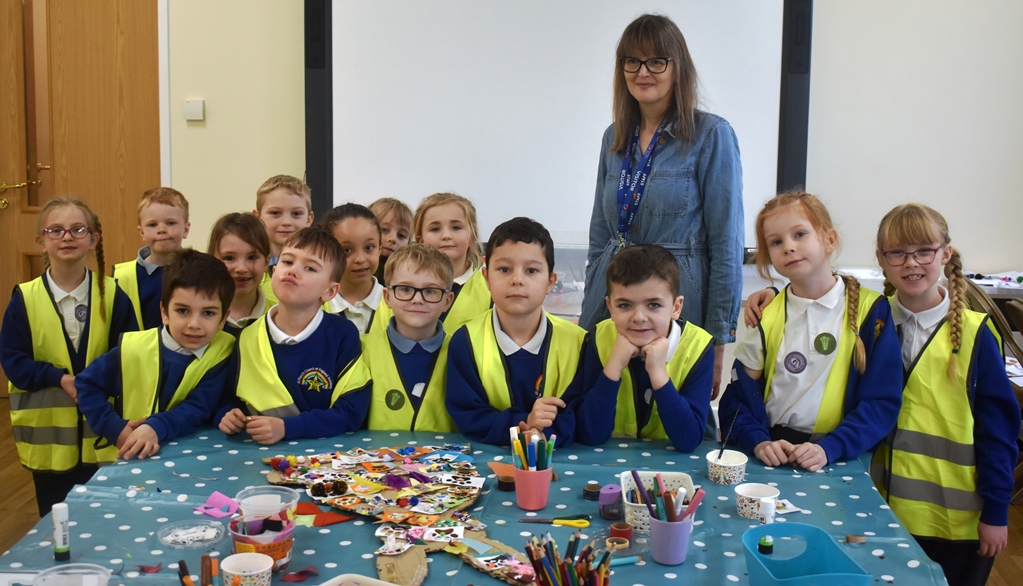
801	370
73	306
361	312
916	328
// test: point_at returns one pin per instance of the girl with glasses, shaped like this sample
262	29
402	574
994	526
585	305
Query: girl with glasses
54	326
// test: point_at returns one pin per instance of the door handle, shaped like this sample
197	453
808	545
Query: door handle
4	186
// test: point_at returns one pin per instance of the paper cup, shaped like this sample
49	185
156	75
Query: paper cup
669	542
747	498
253	568
264	501
532	488
250	536
729	469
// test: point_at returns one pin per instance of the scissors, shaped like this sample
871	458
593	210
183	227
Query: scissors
577	521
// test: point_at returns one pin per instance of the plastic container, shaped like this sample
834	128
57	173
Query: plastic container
73	575
669	542
803	555
191	534
637	514
355	580
532	487
264	501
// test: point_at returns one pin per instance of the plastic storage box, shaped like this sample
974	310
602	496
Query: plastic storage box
636	514
803	555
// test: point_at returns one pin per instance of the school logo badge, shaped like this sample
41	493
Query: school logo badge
81	312
314	379
795	362
395	399
825	343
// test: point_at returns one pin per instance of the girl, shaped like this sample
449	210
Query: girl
948	479
240	241
54	326
361	294
395	219
448	222
817	381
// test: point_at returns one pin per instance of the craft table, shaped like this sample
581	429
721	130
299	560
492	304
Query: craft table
114	521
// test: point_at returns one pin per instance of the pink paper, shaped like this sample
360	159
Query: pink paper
218	506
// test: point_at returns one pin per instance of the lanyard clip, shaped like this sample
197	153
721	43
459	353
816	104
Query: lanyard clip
621	241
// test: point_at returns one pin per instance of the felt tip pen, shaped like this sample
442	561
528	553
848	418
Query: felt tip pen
632	559
61	535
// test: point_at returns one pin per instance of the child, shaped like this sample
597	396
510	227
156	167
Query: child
408	359
956	396
448	222
163	224
300	373
818	380
54	326
650	372
515	363
395	219
240	241
165	382
284	204
360	295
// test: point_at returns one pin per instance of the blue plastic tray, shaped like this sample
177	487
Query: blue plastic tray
803	555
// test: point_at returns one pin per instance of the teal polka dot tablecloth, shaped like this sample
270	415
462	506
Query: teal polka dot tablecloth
115	517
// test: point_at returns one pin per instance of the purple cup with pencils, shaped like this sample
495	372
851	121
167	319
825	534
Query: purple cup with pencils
532	488
669	541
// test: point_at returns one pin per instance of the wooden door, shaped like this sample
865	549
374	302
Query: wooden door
91	116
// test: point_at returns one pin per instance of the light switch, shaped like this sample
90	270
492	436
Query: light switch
195	110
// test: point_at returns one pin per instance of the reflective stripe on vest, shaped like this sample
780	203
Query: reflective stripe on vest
693	343
926	468
772	330
473	299
261	387
138	349
560	364
391	404
128	280
49	432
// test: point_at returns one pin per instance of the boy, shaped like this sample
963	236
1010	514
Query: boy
515	363
165	381
408	359
163	224
300	374
647	373
284	203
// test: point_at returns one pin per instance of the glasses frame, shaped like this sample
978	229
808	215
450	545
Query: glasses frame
906	255
57	233
643	63
421	291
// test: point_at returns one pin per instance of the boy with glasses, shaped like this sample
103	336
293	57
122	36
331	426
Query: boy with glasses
408	360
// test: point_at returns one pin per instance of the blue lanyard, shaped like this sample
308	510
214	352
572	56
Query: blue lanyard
631	187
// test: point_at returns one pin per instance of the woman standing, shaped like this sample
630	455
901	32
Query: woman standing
669	174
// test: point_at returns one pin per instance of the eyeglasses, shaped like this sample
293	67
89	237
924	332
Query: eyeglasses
922	256
77	232
407	293
653	65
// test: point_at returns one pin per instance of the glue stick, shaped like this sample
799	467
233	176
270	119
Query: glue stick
61	544
767	508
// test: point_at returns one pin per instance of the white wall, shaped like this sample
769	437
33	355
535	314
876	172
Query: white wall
920	100
246	59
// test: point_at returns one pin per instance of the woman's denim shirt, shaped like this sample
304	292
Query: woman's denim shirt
693	207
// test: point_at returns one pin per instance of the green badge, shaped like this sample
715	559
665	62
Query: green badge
395	399
825	343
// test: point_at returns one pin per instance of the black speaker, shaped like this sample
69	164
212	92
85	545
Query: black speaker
794	107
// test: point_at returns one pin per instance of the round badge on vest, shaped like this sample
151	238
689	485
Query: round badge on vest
395	399
81	312
795	362
825	343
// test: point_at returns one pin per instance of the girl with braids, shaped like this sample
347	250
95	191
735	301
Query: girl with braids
54	326
818	380
948	478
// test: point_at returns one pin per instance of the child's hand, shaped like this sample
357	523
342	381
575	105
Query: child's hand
809	455
531	431
233	422
129	427
755	305
142	442
622	352
773	453
265	430
655	355
67	382
993	539
545	409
